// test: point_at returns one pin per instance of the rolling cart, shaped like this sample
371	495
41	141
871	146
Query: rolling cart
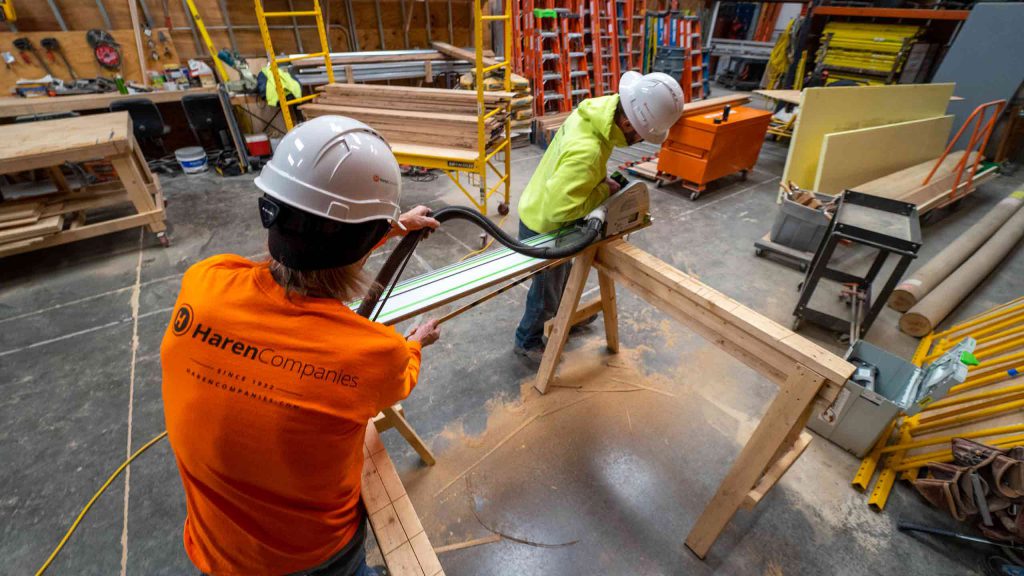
889	226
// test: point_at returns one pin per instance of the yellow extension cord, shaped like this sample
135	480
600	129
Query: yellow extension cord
488	245
96	497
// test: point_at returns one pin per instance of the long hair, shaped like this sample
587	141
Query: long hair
344	283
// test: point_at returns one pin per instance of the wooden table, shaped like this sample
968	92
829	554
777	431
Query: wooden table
61	217
15	106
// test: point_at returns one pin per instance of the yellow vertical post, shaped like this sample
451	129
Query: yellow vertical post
481	122
508	112
321	29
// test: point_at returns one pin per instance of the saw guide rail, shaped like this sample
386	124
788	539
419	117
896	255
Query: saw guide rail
809	377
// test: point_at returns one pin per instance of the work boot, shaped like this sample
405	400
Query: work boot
531	356
578	327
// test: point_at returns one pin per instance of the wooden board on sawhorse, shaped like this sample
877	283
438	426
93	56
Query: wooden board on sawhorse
809	377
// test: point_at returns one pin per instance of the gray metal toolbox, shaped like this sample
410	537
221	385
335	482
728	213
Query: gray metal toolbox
873	397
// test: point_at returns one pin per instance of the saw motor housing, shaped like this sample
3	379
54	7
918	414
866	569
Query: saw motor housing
625	210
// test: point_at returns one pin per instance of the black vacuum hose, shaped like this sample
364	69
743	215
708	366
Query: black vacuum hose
389	273
590	234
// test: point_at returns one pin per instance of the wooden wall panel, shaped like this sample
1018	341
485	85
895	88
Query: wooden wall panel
79	54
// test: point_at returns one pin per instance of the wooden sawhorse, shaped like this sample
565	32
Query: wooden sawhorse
807	375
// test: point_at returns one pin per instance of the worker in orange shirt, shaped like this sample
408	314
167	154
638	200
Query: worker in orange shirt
269	379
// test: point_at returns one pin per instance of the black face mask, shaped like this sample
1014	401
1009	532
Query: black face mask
304	241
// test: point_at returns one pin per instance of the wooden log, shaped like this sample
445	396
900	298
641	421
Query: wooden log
921	282
926	315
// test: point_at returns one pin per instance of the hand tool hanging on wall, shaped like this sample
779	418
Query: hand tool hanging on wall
164	42
105	49
25	46
52	47
148	32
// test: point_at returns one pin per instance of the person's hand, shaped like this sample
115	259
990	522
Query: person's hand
613	186
426	333
418	219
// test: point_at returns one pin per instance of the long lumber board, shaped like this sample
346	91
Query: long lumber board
752	338
439	94
712	104
409	104
457	53
828	110
407	131
427	118
856	156
905	185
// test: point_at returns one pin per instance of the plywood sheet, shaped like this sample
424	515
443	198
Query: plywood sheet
857	156
828	110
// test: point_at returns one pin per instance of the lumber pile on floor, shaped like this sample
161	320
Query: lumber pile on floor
24	222
402	114
906	185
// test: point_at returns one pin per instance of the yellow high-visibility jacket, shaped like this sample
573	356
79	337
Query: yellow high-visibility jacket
291	85
570	180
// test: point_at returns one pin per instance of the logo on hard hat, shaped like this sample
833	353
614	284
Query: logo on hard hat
377	179
182	320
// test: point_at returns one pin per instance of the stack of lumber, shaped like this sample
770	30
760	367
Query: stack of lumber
25	222
521	105
409	115
928	295
907	184
545	127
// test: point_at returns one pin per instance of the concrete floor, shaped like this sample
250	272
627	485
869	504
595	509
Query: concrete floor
617	477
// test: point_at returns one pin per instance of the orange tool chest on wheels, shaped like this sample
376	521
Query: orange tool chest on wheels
703	148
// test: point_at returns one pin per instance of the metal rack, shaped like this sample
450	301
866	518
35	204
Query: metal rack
889	226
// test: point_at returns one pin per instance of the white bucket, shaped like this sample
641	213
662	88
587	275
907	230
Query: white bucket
192	159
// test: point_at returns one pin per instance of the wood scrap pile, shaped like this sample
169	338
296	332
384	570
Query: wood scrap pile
27	221
409	115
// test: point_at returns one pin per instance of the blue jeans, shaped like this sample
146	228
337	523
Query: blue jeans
542	301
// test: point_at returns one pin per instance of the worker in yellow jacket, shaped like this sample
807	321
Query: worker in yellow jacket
571	179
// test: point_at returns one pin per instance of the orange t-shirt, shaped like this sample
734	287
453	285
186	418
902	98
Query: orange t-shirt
266	399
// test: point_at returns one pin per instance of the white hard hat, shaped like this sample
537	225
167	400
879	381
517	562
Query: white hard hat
337	168
652	102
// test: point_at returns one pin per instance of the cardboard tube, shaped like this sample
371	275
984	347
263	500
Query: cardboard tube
933	308
921	282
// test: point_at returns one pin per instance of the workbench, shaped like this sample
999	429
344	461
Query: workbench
41	221
14	106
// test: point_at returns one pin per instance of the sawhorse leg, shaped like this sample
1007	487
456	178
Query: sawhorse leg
779	433
568	315
394	417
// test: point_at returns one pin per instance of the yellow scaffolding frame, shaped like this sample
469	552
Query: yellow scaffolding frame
470	163
325	52
999	333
